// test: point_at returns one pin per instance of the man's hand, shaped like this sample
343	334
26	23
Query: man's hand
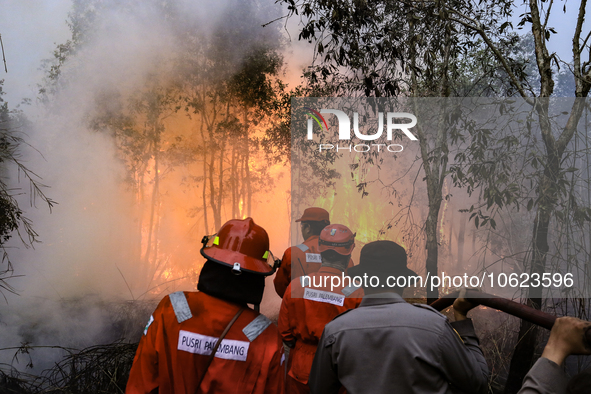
462	306
567	337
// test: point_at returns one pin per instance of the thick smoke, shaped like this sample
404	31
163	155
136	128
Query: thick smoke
74	283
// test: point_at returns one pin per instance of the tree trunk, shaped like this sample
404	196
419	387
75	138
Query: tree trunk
247	179
243	190
461	238
431	232
523	355
435	159
148	252
204	190
450	229
212	199
143	271
220	194
233	181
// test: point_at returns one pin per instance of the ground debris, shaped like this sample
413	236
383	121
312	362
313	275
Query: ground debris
97	369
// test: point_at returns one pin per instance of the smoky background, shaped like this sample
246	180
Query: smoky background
114	245
488	160
489	177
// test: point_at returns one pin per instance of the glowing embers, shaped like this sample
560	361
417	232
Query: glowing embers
167	273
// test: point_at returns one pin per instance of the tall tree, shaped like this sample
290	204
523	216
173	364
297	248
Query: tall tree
386	49
235	92
202	107
555	141
366	44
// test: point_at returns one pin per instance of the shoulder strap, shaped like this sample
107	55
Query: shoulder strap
217	344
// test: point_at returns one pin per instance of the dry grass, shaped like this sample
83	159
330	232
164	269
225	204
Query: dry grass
98	369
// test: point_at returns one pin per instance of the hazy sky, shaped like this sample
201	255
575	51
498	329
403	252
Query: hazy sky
30	30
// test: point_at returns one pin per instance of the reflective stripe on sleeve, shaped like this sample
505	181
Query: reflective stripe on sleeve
180	306
347	291
302	247
256	327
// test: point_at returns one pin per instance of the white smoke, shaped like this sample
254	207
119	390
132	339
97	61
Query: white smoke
87	260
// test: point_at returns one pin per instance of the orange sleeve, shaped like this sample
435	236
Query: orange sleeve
283	324
275	378
283	275
143	377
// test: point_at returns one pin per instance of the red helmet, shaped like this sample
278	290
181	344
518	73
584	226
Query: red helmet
338	238
242	245
315	214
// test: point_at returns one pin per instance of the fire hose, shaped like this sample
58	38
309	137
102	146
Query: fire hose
516	309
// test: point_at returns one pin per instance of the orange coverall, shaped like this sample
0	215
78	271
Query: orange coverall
303	259
304	313
172	356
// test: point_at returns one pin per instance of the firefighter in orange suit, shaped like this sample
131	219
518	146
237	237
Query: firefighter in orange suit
312	301
175	352
304	258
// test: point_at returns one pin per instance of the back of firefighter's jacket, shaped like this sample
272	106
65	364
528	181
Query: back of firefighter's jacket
178	340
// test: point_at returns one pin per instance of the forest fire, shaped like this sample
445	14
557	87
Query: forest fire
153	123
